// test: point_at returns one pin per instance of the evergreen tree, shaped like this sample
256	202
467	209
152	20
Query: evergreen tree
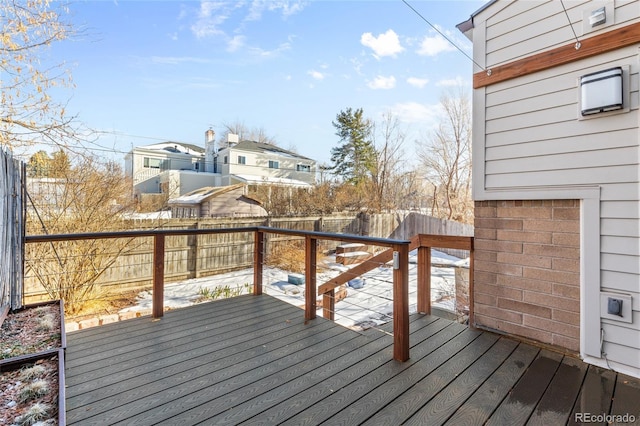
354	158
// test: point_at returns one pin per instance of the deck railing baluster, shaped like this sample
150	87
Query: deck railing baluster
258	261
157	307
310	250
401	302
424	280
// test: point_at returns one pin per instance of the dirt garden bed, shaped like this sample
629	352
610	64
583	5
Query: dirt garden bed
32	342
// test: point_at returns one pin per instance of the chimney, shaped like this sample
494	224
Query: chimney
209	136
210	150
232	139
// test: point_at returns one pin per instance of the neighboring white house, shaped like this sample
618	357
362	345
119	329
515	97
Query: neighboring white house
148	166
252	163
178	168
556	174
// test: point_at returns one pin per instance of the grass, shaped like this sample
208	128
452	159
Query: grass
36	413
46	323
33	372
224	292
34	390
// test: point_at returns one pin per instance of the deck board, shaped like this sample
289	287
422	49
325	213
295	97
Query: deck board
479	406
596	394
524	397
254	360
558	400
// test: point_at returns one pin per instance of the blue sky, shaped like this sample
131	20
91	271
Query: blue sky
151	71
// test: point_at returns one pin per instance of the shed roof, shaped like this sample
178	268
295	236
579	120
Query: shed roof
199	195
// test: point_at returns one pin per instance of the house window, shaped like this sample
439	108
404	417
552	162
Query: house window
274	164
226	159
152	163
303	168
242	159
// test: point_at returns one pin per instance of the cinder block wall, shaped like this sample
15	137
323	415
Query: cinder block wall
527	269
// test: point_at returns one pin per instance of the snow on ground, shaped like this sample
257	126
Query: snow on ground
368	306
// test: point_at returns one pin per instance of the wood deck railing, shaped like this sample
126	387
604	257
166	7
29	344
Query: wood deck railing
396	251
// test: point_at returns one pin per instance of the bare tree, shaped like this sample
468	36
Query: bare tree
387	173
84	198
29	114
256	134
446	157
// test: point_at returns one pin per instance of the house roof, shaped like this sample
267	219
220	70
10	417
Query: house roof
256	179
174	147
266	148
467	25
199	195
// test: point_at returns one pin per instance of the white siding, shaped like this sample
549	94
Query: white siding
523	28
531	137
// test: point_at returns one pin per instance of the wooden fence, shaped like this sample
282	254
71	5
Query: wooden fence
12	174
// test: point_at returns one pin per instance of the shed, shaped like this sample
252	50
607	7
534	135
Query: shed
224	201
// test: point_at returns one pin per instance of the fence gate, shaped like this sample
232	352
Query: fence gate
12	174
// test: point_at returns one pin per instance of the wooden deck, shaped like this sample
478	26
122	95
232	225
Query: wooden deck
253	360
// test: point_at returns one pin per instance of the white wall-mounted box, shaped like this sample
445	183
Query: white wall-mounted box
601	91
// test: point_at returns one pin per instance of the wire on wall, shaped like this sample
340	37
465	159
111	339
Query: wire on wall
578	44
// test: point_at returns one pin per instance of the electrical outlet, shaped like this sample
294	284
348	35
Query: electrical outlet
616	306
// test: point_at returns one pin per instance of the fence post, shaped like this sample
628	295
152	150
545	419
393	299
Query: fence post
258	262
157	308
401	302
424	280
310	250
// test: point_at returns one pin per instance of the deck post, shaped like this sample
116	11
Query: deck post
157	308
258	261
310	290
401	302
472	320
424	280
329	305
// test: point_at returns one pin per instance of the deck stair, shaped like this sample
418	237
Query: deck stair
352	254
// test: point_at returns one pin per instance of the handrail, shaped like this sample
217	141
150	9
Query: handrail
398	250
386	242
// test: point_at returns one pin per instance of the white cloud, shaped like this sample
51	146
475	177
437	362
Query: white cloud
211	16
417	82
357	65
286	7
382	82
434	45
414	112
257	51
452	82
317	75
386	44
236	43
